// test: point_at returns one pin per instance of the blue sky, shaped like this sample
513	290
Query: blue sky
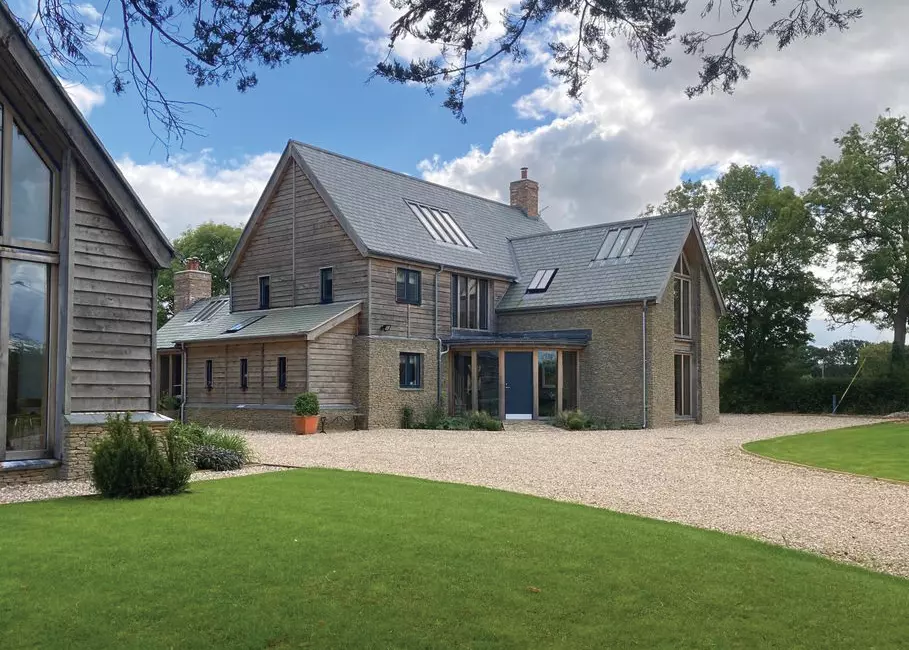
634	136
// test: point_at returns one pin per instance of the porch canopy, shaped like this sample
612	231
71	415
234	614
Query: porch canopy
515	375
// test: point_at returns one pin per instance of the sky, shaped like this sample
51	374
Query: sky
633	136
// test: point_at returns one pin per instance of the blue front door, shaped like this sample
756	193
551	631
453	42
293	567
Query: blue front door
518	385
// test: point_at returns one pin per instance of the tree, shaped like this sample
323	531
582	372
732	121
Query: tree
226	40
212	243
862	201
762	241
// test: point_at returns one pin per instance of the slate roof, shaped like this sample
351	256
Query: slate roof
286	321
371	203
580	280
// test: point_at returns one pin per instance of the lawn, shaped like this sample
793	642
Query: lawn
880	450
325	558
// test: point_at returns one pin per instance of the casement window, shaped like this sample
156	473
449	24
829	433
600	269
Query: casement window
408	286
681	284
469	302
326	285
683	386
244	374
282	373
209	375
29	243
264	292
410	370
620	242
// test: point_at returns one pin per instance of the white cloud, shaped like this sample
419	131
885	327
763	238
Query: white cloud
190	190
84	97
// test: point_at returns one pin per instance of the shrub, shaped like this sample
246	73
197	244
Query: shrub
306	404
579	421
483	421
215	458
195	435
131	462
168	403
407	421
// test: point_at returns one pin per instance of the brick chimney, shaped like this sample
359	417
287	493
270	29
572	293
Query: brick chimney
191	285
525	194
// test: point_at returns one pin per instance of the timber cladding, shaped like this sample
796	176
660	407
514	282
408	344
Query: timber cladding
112	311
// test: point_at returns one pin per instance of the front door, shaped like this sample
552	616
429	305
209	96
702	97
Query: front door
518	385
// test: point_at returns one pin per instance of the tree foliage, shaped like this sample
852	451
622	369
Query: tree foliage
226	40
212	243
762	241
862	201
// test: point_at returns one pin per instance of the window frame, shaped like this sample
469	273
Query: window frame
682	311
683	375
622	242
265	296
479	300
326	271
282	373
402	276
244	373
404	364
209	374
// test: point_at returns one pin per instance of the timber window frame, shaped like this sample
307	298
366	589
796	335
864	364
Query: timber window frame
326	285
209	374
681	293
410	370
408	286
244	373
684	385
282	373
264	292
469	302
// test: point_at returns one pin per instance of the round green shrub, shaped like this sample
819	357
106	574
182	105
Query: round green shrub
214	458
306	404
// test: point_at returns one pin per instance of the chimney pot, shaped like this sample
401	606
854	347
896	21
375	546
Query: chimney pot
523	172
192	264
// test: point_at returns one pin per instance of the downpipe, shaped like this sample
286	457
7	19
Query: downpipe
183	386
644	364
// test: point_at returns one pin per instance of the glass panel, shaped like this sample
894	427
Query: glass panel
454	301
686	308
164	375
569	381
472	303
633	240
547	378
607	244
488	382
400	286
464	240
327	286
619	243
431	218
26	391
462	302
683	385
31	192
484	304
426	224
176	381
677	305
413	287
463	386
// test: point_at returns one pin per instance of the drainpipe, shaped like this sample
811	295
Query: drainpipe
438	339
644	363
183	383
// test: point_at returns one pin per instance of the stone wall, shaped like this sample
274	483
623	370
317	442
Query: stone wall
77	447
661	362
709	353
611	375
376	379
15	477
253	419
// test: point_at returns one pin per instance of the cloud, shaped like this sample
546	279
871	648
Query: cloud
84	97
190	190
635	132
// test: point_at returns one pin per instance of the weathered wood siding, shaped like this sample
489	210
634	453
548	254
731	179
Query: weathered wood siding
112	310
331	365
195	374
404	320
295	351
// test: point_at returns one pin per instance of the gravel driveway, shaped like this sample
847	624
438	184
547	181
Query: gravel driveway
696	475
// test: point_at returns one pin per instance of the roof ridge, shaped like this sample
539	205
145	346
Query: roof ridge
609	224
413	178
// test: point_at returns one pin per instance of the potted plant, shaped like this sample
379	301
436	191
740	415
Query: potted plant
306	413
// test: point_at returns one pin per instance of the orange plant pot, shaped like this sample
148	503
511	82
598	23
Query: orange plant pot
306	424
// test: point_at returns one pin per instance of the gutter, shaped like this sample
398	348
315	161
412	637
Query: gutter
644	364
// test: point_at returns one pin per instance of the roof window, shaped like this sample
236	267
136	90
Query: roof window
541	280
243	324
620	242
440	225
209	310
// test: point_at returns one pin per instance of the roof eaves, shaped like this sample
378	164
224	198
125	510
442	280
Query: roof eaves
577	305
605	224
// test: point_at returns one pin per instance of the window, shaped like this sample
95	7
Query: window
209	310
620	242
547	382
326	285
209	375
264	292
282	373
411	370
440	225
469	302
236	327
683	394
244	374
681	288
541	281
408	286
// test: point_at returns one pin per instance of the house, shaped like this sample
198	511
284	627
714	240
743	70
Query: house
78	261
378	290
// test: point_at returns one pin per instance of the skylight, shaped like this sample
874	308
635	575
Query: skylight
541	280
208	311
243	324
440	225
620	242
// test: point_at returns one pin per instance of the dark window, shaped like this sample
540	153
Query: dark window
683	393
264	292
244	374
541	280
408	286
209	375
326	286
176	382
282	373
469	302
682	298
411	370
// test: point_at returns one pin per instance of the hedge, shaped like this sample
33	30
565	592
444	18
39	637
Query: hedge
866	396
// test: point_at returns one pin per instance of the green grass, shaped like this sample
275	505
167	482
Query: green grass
324	558
880	450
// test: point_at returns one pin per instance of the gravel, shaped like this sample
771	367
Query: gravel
58	489
696	475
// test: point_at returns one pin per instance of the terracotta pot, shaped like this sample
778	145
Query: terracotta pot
306	424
